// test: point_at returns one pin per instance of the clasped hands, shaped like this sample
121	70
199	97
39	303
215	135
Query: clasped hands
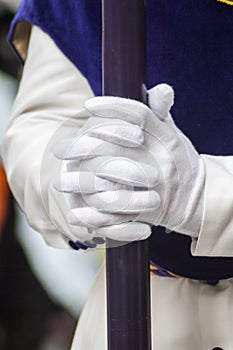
129	168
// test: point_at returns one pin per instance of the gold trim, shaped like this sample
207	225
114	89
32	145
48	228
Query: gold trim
228	2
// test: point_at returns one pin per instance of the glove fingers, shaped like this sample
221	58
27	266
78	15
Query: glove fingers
91	218
119	169
124	202
87	147
123	135
115	131
84	182
126	171
75	148
127	232
119	108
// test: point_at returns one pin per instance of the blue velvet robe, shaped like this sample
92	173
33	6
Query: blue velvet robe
190	46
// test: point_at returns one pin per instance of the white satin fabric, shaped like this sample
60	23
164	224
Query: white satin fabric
186	315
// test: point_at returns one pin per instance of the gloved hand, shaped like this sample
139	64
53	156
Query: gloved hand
159	176
82	155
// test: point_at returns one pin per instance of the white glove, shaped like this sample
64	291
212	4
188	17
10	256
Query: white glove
162	173
78	180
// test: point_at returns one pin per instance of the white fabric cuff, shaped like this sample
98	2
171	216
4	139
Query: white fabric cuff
216	236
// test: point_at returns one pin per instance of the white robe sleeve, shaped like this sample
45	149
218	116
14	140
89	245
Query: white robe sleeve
52	91
216	235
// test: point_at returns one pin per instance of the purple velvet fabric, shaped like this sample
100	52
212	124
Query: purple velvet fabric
75	26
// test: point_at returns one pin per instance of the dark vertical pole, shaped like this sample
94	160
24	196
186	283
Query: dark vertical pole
124	47
128	282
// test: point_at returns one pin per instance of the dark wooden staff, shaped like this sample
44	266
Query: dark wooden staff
128	282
